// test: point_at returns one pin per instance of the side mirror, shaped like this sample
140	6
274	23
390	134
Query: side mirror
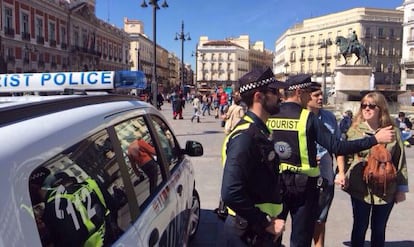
193	148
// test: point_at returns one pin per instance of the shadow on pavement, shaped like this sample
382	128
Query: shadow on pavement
210	224
404	243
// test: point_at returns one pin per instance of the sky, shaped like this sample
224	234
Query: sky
262	20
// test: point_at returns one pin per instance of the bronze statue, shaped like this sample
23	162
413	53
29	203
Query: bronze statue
351	45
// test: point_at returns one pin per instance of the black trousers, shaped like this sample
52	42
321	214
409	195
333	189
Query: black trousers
151	170
237	234
300	199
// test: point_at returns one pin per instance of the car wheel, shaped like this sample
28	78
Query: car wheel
194	214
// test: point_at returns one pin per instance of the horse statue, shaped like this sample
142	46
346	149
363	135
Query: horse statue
346	47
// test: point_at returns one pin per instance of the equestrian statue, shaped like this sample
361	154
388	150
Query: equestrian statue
351	45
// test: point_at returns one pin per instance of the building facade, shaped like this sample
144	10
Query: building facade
309	46
142	57
407	60
56	35
220	63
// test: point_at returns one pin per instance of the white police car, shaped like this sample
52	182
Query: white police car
91	170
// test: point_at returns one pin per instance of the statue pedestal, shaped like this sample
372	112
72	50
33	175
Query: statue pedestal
353	82
352	78
350	82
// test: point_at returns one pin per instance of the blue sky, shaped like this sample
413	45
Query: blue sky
218	19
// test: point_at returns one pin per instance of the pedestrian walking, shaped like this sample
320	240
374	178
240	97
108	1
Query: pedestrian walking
197	109
234	114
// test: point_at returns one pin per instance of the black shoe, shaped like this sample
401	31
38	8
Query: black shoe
192	119
181	118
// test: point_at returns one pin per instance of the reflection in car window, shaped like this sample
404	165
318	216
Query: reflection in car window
168	142
78	196
140	157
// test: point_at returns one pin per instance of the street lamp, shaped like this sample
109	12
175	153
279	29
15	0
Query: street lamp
195	54
286	65
325	43
138	49
155	7
183	37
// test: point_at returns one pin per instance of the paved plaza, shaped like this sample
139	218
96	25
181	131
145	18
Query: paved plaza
208	170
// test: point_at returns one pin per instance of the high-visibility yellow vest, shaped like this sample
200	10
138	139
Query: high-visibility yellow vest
297	134
96	233
271	209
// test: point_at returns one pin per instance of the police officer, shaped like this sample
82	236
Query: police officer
296	132
76	213
250	186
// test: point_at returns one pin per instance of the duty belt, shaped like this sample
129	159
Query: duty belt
311	171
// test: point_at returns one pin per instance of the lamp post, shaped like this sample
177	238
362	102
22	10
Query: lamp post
155	7
325	44
183	37
195	54
286	65
138	49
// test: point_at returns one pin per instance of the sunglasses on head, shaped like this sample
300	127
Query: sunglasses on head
372	107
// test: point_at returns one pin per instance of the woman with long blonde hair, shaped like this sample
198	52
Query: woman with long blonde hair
367	206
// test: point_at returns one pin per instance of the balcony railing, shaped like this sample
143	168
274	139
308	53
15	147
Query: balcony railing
26	36
63	46
41	63
40	40
52	43
11	59
9	31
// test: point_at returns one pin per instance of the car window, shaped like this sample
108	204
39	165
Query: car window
140	157
78	196
168	142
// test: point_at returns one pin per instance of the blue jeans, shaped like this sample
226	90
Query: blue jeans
362	212
405	135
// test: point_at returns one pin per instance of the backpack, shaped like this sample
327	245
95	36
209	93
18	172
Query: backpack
379	171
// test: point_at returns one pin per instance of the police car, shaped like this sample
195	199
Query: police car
74	170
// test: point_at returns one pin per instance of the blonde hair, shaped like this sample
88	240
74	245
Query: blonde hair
384	114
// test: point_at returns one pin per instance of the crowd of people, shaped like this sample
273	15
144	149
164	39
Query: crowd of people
278	158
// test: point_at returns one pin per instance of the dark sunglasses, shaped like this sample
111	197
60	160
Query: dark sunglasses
372	107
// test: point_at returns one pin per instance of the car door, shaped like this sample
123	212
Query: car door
145	157
180	182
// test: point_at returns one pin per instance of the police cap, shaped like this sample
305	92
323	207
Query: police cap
259	79
300	81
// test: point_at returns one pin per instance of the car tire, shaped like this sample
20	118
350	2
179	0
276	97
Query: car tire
194	215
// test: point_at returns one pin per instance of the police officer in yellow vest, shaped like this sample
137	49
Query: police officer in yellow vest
76	213
250	186
296	132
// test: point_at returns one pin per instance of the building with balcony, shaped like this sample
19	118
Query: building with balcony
407	60
302	49
220	63
142	56
55	35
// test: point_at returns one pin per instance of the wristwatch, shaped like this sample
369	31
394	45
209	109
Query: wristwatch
268	218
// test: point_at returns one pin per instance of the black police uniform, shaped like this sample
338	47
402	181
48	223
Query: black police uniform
296	132
250	186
